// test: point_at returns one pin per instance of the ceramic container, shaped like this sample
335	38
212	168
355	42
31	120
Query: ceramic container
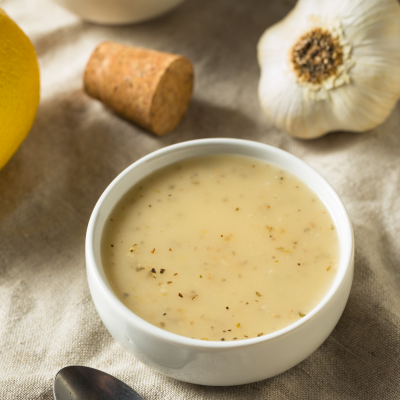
211	362
117	12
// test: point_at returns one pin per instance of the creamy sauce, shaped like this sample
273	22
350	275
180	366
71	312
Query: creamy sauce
220	248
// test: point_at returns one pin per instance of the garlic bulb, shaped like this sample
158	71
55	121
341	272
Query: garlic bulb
331	65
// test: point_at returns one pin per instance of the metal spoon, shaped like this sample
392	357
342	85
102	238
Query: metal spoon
84	383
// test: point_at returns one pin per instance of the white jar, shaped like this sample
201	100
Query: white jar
118	12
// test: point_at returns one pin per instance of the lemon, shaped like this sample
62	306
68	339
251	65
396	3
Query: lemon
19	87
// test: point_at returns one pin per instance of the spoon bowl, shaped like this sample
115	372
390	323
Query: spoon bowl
84	383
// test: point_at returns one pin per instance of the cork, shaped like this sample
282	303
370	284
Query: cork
148	87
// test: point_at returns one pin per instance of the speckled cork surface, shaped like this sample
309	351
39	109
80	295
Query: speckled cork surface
77	146
150	88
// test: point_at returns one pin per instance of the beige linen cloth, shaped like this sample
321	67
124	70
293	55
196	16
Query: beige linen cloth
77	146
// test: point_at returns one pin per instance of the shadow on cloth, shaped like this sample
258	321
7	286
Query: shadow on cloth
75	149
206	120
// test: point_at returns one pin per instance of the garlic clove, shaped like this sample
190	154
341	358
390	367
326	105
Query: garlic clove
359	83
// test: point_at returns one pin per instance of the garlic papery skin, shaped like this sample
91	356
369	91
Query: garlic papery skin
358	85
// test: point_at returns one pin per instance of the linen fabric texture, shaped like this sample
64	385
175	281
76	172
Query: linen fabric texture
77	147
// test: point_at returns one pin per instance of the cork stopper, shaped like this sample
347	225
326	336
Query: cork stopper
148	87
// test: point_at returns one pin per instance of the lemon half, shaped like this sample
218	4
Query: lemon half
19	87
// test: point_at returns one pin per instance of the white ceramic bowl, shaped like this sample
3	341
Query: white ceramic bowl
211	362
117	12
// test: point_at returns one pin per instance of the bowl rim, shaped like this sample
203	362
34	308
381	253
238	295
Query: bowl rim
344	266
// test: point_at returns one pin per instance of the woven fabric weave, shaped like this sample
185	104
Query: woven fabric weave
77	146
